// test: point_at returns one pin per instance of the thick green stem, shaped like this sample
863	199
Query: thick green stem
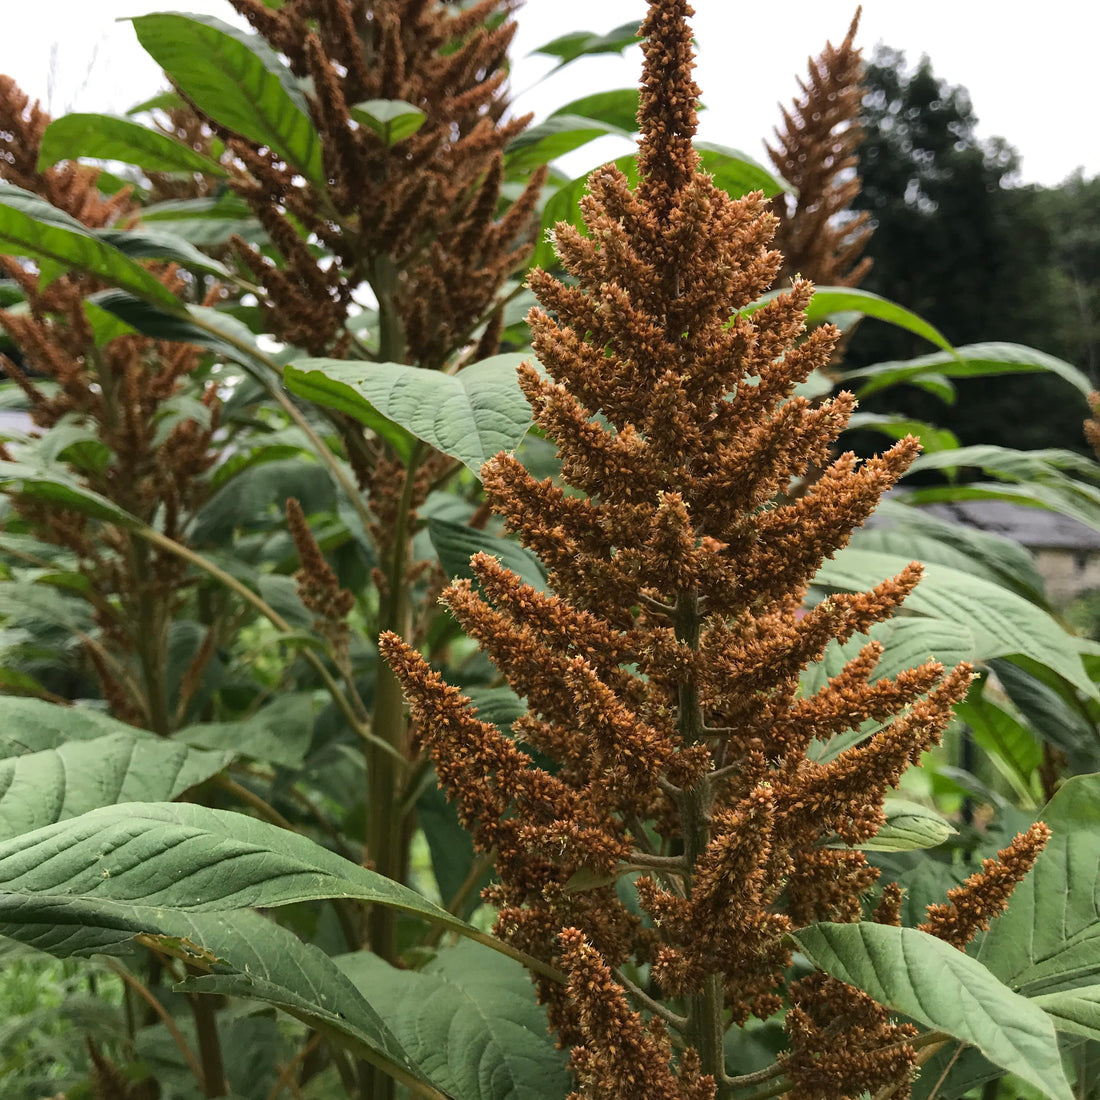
705	1010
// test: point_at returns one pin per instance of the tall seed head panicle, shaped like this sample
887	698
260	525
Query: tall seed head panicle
663	673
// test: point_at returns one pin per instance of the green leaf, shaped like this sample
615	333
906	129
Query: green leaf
58	490
455	543
156	244
238	80
471	415
392	120
558	135
898	427
737	173
31	725
568	47
1011	747
1074	1010
909	826
188	857
106	137
618	107
942	988
334	385
970	361
917	533
1049	939
471	1022
828	300
30	226
1000	622
280	733
55	784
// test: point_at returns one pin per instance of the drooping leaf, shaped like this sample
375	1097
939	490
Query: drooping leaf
237	79
455	543
829	300
470	415
471	1022
279	733
55	784
191	858
157	244
1000	622
106	137
1010	746
568	47
902	529
30	226
558	135
1074	1010
1049	939
909	826
943	989
970	361
618	107
54	487
335	386
392	120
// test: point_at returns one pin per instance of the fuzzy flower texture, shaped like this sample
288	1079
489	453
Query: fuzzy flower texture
684	824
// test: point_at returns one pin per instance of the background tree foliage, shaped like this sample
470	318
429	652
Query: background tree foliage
958	240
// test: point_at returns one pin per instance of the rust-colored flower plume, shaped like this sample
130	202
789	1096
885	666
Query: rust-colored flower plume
815	152
686	827
416	218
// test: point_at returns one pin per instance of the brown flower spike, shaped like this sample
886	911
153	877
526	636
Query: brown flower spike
663	673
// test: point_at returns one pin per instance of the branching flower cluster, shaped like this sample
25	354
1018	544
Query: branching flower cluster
415	218
691	819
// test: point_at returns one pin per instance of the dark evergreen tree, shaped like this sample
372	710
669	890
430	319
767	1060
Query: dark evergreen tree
958	241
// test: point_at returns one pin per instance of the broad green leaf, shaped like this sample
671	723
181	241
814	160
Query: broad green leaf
942	988
828	300
471	1023
1053	710
617	108
55	784
279	733
1000	622
900	528
737	173
1070	497
30	226
250	956
53	487
238	80
455	543
1010	746
909	826
1074	1010
157	244
162	101
970	361
31	725
334	385
392	120
1049	939
1048	464
106	137
898	427
568	47
471	415
190	858
558	135
105	326
451	849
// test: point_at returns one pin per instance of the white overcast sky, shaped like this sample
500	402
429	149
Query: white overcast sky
1031	68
